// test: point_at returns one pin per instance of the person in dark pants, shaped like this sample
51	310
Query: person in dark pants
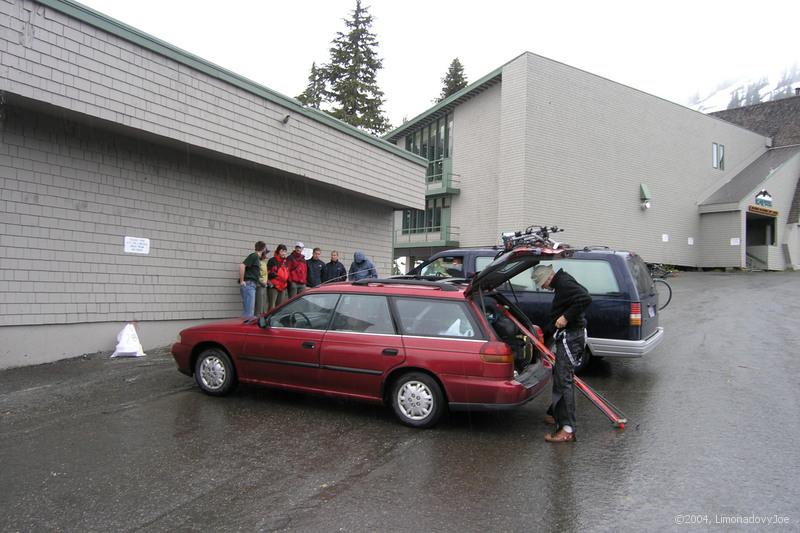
248	278
298	275
314	267
568	323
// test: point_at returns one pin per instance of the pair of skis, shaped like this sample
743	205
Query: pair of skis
611	411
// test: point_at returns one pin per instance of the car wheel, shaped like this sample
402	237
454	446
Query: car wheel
417	400
214	372
585	361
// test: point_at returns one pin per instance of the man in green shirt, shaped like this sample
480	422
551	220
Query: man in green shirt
249	272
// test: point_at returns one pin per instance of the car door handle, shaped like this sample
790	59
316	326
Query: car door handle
308	344
390	351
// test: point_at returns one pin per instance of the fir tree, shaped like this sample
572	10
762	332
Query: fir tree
351	75
315	91
736	99
454	80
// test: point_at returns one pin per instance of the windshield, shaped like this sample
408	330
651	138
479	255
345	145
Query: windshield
446	266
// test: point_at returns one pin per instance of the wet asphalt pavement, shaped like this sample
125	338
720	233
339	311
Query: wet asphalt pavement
98	444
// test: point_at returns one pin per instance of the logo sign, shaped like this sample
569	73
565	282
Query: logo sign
763	198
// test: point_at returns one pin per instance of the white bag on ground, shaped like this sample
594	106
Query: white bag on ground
128	344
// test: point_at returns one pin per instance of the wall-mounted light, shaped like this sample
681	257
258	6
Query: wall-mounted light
286	119
644	194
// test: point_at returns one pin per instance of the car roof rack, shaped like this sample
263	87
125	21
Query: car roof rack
396	281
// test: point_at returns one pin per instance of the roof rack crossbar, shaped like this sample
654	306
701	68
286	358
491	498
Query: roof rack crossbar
394	281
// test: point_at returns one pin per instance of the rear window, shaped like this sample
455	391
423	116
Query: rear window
641	276
482	261
594	274
435	318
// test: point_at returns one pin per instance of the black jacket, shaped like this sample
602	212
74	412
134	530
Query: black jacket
571	299
334	272
314	276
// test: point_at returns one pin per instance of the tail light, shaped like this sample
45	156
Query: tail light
496	352
536	330
636	314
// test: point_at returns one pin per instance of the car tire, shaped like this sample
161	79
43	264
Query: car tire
586	360
214	372
417	400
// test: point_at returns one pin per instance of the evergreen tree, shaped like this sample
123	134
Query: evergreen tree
315	91
351	74
454	80
753	92
736	99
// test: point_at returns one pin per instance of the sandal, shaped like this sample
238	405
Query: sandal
560	436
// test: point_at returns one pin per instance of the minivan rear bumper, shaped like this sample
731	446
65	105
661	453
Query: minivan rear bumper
622	348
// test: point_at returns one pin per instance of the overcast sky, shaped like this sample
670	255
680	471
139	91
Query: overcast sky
672	49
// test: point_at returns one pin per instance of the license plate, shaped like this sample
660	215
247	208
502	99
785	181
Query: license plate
651	310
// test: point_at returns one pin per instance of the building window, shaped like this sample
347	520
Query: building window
434	142
426	220
718	156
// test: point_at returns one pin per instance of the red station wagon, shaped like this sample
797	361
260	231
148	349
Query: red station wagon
419	346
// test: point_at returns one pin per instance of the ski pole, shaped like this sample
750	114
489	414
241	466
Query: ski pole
611	411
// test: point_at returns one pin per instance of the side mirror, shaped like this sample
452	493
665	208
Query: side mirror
262	321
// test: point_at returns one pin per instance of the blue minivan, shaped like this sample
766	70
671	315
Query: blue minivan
622	320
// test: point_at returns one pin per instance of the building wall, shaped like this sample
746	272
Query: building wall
70	193
103	69
106	132
716	232
476	164
592	142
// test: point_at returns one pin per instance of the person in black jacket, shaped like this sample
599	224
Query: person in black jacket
569	324
334	271
314	267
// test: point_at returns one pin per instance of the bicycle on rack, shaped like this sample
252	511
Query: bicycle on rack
657	270
531	236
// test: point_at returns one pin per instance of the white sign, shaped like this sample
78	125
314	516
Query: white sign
690	241
137	245
735	241
664	237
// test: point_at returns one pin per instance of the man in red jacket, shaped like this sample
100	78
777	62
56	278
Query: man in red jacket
298	271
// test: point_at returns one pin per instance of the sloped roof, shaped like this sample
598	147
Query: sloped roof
140	38
755	173
779	119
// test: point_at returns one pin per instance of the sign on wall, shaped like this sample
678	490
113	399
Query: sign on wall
137	245
763	198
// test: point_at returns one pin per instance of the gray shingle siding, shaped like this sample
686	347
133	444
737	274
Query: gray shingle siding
70	194
717	230
54	58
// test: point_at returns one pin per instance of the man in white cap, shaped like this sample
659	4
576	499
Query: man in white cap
298	270
569	324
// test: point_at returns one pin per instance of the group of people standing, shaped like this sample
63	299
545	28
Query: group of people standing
266	283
